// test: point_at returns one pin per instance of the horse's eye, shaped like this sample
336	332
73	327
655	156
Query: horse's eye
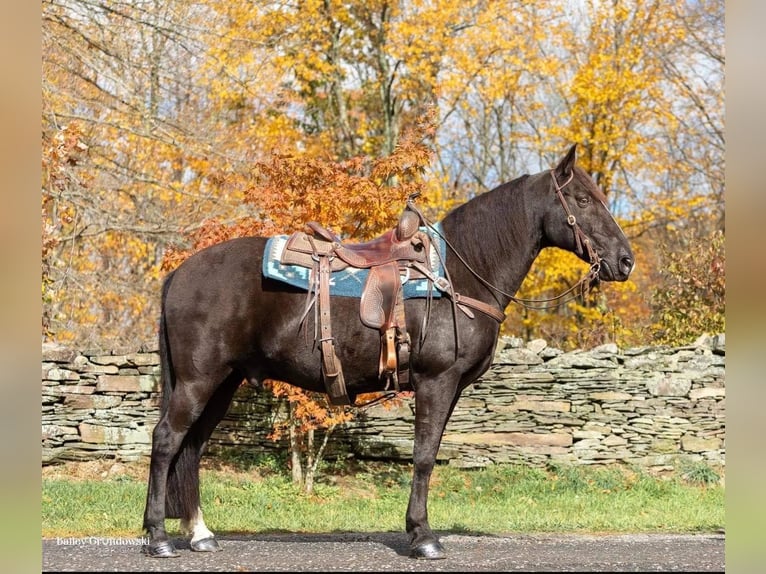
583	200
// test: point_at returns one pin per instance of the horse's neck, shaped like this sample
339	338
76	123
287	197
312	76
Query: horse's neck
499	235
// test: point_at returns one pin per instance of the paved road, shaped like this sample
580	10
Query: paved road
387	551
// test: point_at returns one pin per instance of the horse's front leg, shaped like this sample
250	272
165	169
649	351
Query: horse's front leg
434	401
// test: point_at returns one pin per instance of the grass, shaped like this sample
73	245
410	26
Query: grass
372	497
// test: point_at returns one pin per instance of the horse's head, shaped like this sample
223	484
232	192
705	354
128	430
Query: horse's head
578	220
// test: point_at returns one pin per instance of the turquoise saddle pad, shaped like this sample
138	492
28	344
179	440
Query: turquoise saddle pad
350	281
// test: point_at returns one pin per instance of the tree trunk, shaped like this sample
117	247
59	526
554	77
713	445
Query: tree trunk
308	486
295	453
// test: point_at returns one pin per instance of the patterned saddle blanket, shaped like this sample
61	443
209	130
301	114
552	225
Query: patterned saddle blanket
348	282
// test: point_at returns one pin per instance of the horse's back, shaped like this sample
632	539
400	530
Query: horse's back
220	312
242	255
216	278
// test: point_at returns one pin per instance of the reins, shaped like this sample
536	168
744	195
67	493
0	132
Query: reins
445	283
583	285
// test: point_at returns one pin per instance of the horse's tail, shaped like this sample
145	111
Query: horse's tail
167	374
182	490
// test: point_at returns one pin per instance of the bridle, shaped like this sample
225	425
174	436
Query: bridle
580	237
579	289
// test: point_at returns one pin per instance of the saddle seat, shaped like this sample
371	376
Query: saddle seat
402	243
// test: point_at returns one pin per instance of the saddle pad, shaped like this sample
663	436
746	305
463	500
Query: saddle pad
350	281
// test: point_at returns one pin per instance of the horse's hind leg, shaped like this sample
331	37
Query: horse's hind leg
166	442
192	523
177	441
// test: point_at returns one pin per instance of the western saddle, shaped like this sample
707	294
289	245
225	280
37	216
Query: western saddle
404	249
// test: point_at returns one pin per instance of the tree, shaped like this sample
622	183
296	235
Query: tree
622	106
109	74
306	413
360	197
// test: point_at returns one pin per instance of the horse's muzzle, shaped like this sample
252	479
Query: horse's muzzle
619	271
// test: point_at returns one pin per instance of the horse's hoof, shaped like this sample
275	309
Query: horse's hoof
429	551
206	545
162	549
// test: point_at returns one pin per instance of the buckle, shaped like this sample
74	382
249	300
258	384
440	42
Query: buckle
442	284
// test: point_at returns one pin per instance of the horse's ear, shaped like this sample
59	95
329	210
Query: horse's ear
567	164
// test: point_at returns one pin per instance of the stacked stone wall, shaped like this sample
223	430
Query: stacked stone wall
648	406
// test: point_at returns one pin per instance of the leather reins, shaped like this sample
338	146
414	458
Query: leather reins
458	301
583	285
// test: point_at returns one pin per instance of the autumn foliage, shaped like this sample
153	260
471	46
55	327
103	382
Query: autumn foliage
692	298
358	198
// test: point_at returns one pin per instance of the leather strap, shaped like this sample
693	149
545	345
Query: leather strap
393	364
331	367
403	343
390	287
463	301
579	235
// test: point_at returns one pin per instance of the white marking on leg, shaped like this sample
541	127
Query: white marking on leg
195	527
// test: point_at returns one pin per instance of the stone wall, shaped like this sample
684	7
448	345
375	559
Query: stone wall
650	406
98	404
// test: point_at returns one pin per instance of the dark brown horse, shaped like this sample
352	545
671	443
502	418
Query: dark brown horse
223	322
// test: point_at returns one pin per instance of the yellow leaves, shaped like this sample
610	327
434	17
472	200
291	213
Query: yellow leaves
605	314
618	88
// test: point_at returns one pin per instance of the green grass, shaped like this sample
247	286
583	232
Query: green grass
373	498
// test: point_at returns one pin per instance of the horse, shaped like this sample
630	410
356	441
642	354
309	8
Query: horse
222	322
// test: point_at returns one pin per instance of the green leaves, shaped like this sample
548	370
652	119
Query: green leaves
692	299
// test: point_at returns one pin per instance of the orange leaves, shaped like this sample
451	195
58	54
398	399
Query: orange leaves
411	156
358	198
311	411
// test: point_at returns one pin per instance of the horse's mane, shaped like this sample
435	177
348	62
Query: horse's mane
491	221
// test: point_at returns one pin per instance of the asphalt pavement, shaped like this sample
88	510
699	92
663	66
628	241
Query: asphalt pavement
388	552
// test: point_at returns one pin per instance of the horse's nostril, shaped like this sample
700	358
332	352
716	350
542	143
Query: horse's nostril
626	265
